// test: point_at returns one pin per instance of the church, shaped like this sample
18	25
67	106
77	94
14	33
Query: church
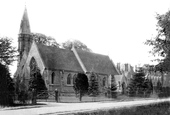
58	66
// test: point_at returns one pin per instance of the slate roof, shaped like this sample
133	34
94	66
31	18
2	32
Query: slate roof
97	63
59	59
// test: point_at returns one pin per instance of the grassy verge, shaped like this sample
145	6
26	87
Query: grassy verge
153	109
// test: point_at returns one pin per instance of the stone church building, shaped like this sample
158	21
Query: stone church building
58	66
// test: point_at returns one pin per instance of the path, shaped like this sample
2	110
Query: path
62	108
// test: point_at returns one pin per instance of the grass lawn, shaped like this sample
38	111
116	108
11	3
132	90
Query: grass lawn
153	109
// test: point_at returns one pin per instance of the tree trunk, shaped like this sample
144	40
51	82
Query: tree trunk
162	78
80	98
34	96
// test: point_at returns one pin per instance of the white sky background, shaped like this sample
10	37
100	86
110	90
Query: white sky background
117	28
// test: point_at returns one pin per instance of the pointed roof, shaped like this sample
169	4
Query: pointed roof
65	59
25	26
58	59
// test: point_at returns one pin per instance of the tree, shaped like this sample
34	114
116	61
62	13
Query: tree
161	43
93	86
136	84
77	44
7	51
139	85
81	85
6	87
113	89
36	85
43	39
148	87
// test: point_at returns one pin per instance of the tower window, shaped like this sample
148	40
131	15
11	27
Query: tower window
52	78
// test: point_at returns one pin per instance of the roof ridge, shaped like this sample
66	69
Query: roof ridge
53	47
91	52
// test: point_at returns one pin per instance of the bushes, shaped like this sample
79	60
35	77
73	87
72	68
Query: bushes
36	84
6	87
164	92
81	85
22	94
93	89
111	91
140	86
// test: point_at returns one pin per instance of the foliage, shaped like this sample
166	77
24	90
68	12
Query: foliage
43	39
135	84
158	86
81	85
161	42
36	85
139	85
21	91
77	44
6	87
93	86
148	87
111	91
7	51
36	82
164	92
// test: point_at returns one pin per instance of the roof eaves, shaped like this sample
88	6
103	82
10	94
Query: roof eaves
39	53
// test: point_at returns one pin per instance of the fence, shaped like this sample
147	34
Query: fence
102	96
72	97
52	96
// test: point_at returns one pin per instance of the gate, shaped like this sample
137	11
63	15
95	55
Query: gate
46	95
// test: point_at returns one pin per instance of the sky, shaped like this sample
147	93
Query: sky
117	28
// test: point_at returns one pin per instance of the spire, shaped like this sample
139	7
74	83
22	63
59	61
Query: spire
25	26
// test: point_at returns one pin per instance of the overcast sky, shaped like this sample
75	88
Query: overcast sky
117	28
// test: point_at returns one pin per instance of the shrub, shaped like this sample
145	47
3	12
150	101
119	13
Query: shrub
164	92
22	94
6	87
139	86
81	85
36	84
93	89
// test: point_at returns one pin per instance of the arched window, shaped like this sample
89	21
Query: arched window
104	81
33	64
119	85
33	67
69	79
52	77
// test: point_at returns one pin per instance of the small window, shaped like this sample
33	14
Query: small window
104	81
74	78
119	84
52	78
69	79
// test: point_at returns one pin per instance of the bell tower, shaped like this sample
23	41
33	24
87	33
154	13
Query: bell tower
24	38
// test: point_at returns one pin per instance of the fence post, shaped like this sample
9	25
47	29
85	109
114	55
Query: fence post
56	95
